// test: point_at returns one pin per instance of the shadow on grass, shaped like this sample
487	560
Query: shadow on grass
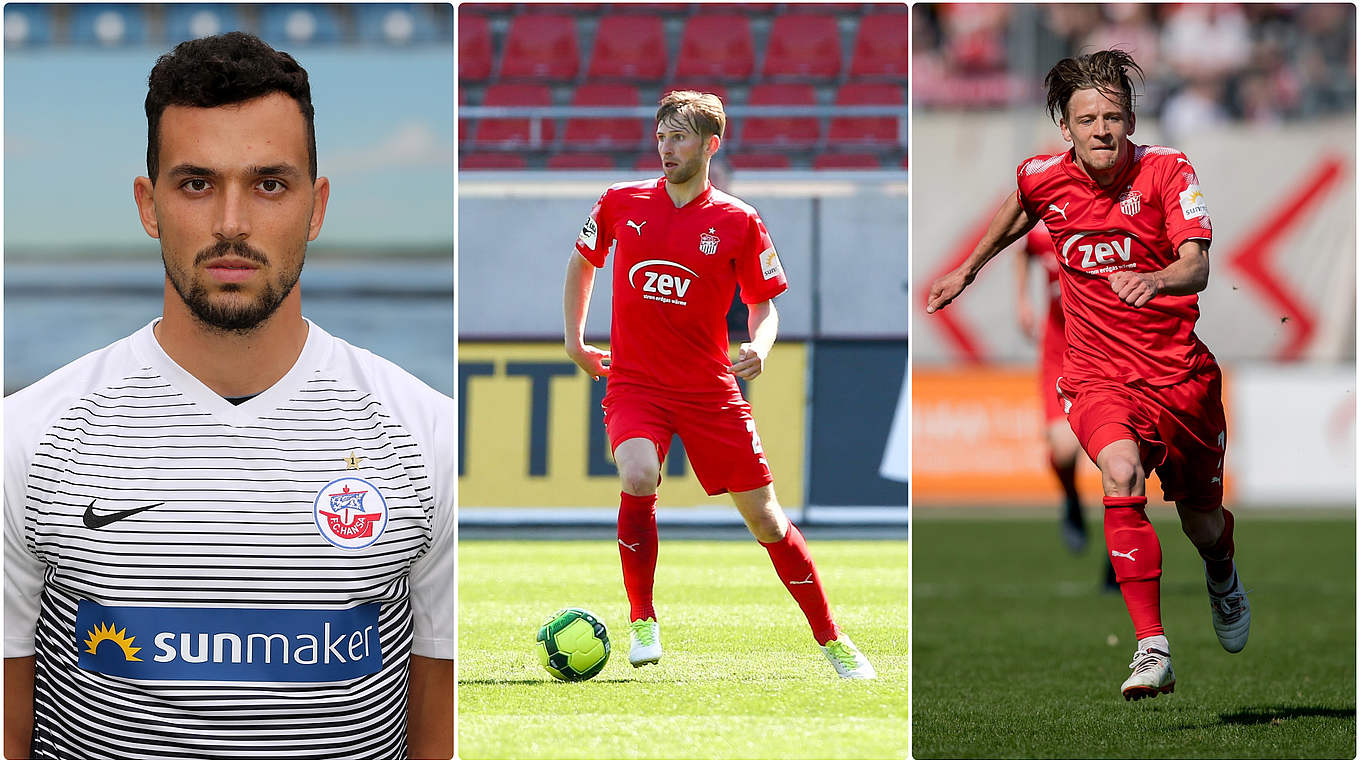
1255	716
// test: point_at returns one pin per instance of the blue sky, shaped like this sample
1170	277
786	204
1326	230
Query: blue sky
75	137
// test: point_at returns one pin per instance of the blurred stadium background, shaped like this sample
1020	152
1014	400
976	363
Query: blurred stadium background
1261	97
79	272
557	102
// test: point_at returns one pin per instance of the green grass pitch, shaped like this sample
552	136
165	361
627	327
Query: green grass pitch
1017	653
741	676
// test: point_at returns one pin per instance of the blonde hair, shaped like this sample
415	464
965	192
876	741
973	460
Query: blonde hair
702	111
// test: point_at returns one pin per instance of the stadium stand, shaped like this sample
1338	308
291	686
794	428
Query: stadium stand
293	24
806	85
108	25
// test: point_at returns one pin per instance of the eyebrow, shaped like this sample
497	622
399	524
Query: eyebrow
269	170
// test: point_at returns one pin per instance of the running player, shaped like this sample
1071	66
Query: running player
681	247
229	534
1132	233
1061	443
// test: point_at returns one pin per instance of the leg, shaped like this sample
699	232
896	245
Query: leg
789	553
639	470
1130	538
1062	458
1211	531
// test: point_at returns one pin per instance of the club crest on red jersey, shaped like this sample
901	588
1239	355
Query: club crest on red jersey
1130	202
708	242
351	513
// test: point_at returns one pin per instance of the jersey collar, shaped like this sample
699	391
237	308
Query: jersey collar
702	197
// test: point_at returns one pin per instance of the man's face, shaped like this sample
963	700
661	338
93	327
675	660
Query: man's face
233	207
683	151
1096	126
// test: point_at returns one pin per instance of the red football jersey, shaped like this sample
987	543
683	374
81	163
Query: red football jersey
675	270
1136	223
1039	246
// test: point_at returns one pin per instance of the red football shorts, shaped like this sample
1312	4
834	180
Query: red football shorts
1052	346
719	435
1179	429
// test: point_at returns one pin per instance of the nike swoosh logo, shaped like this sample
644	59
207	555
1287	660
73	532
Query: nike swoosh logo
96	521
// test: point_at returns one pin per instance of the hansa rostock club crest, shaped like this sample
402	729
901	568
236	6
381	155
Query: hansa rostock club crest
350	513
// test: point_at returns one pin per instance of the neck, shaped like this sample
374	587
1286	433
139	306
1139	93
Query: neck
685	192
233	363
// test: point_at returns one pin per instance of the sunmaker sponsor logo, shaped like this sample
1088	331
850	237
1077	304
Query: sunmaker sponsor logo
228	644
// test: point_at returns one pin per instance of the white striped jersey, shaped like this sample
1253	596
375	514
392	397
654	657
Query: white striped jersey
203	580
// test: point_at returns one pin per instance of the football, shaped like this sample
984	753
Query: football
573	645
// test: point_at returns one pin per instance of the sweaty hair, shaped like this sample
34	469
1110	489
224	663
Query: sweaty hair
223	70
702	111
1106	71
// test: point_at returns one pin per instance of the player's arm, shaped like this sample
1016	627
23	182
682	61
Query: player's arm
763	324
18	706
1011	221
1024	310
1187	275
429	709
575	303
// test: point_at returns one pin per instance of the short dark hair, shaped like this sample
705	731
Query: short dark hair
1104	70
222	70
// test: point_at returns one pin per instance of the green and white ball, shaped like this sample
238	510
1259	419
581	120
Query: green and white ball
573	645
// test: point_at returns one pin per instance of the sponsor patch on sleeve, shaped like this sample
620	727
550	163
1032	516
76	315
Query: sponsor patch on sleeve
770	267
590	232
1192	202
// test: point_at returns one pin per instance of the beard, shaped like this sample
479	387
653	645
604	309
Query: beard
685	171
231	315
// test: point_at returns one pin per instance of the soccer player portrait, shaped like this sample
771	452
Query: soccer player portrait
681	249
1131	232
229	534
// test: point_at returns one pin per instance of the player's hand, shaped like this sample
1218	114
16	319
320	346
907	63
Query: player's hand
1024	314
1134	288
591	359
749	364
945	290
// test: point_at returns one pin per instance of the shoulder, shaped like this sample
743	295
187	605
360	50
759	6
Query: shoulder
636	188
732	204
1162	160
1039	165
28	413
414	403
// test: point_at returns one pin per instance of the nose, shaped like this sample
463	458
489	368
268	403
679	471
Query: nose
233	213
1102	127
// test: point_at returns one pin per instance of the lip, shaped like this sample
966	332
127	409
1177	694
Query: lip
231	269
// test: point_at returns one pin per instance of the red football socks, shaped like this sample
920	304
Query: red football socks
637	551
1218	559
1137	558
793	564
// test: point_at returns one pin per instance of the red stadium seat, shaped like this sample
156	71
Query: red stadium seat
881	131
514	132
575	8
709	87
781	131
464	125
486	7
474	47
803	46
541	46
610	132
629	47
759	161
491	161
716	47
744	9
847	161
880	47
663	9
581	161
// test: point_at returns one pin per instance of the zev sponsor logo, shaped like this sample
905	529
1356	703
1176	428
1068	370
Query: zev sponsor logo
659	283
1084	251
228	644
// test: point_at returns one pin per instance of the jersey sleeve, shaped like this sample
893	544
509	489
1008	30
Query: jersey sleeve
1023	187
1187	214
432	588
23	571
759	272
596	234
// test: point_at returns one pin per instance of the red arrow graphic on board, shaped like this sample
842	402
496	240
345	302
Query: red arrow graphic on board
1260	243
955	329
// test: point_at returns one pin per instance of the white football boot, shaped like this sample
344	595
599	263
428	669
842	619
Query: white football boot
847	659
644	642
1151	675
1231	614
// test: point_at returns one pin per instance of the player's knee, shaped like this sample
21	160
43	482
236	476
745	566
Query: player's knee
769	529
1202	527
1122	475
639	479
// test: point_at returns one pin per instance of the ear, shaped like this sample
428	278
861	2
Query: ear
321	193
1062	125
1133	122
144	193
714	142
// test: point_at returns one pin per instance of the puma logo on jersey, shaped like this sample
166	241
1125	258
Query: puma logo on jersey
1062	210
802	582
1129	556
630	547
636	226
